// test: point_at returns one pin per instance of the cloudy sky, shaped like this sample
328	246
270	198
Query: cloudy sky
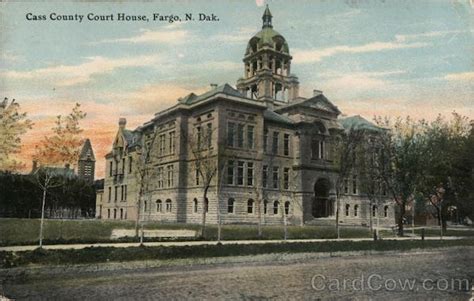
370	57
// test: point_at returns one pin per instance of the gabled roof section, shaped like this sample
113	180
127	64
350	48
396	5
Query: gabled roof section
272	116
87	154
319	102
357	122
225	88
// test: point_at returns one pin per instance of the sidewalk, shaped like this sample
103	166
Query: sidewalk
201	243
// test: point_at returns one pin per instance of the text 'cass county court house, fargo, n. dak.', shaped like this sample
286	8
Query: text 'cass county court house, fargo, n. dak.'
271	148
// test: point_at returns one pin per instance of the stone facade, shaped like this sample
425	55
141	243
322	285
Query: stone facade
272	151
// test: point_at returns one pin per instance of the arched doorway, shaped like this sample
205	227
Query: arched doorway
322	205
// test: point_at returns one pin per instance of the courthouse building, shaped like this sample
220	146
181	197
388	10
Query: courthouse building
272	149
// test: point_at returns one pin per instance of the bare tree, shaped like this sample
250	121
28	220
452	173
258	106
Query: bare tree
144	172
206	164
48	178
346	147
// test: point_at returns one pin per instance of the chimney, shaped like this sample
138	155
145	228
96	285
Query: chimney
122	123
35	166
317	92
213	86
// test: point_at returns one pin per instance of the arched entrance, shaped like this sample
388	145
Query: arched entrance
322	205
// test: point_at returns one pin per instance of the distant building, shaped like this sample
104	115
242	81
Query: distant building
86	163
275	145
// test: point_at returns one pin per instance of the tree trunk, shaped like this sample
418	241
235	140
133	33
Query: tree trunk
137	220
400	219
42	219
204	211
338	234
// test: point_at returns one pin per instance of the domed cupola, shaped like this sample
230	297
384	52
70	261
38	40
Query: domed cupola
267	37
267	66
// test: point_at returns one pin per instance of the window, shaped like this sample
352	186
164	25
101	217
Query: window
121	192
275	143
125	193
230	172
160	177
249	174
265	206
250	204
276	204
317	149
108	213
171	142
123	166
168	205
195	205
286	178
121	213
286	144
346	185
374	210
110	194
130	164
115	213
230	134
115	193
250	142
385	211
170	176
145	206
240	173
159	206
198	176
199	137
275	177
265	140
162	142
111	167
264	175
287	208
209	135
348	208
230	205
356	210
240	135
354	184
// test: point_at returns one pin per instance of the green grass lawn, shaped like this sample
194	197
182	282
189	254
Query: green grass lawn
26	231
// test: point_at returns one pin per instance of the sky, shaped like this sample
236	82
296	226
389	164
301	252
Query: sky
369	57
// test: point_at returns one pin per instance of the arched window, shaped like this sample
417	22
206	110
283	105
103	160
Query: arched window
195	205
265	206
276	204
356	210
385	211
108	213
121	213
159	206
115	213
250	204
169	206
348	208
374	210
144	205
287	207
230	205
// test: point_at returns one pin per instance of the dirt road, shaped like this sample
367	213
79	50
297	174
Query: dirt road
435	275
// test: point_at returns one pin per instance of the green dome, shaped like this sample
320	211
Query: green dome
270	38
267	37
